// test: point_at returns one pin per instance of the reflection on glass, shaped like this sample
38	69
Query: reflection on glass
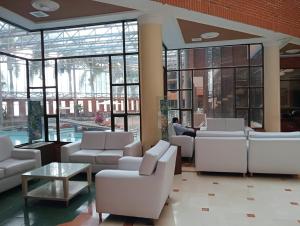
117	69
228	93
172	77
256	77
256	118
242	97
134	126
172	62
242	77
186	118
256	97
133	99
119	123
131	36
186	79
186	99
173	97
35	74
132	69
172	114
256	54
240	55
52	129
243	113
50	73
118	93
51	98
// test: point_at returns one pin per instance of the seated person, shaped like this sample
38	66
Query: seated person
182	130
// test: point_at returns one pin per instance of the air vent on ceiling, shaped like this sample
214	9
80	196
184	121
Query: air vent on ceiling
39	14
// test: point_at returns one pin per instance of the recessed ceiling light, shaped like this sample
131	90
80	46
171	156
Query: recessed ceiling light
196	39
293	51
39	14
45	5
209	35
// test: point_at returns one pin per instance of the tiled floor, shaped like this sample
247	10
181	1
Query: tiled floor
196	199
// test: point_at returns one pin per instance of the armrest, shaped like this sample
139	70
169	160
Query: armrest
247	130
68	149
130	163
133	149
35	154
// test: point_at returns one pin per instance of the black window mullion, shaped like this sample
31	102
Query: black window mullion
111	96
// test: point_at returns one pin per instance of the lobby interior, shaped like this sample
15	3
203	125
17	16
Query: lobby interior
114	65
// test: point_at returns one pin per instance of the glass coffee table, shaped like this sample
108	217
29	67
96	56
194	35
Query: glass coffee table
59	187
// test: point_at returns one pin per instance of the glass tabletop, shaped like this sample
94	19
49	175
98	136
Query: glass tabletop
56	169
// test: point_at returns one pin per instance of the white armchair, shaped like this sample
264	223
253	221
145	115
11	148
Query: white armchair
140	187
185	142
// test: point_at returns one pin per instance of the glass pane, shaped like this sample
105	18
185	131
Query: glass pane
173	97
227	56
172	80
119	123
89	40
36	94
256	118
242	77
256	54
13	100
243	113
186	118
256	78
134	126
216	56
240	55
186	79
35	74
199	99
51	102
196	58
256	97
133	99
172	60
242	97
217	93
50	73
131	36
52	129
19	42
117	69
118	93
186	99
132	69
172	114
227	93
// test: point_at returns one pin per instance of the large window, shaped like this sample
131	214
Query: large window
217	82
82	78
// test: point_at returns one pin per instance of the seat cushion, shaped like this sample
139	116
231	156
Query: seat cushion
85	156
151	157
109	157
93	140
118	140
254	134
2	173
6	148
14	166
220	133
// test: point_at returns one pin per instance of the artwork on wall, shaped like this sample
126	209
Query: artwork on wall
34	120
164	108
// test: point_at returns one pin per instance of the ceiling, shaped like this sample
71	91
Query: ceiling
67	10
288	47
179	25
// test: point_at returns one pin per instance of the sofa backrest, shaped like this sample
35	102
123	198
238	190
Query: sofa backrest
253	134
225	124
93	140
216	124
6	147
204	133
152	156
118	140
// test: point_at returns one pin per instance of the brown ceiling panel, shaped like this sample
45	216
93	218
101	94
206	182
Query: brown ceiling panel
289	46
68	9
192	30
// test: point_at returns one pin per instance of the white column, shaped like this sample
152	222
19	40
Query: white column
151	74
271	86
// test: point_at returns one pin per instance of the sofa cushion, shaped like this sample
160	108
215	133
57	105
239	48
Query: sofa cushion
151	157
85	156
235	124
253	134
118	140
2	173
109	157
216	124
220	133
6	148
14	166
93	140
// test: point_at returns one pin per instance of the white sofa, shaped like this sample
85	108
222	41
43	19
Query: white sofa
14	162
101	149
140	187
274	152
185	142
221	151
